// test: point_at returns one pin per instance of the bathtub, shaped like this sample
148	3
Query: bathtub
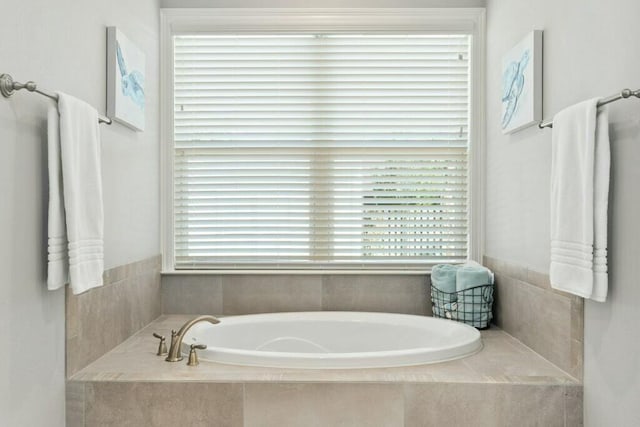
327	340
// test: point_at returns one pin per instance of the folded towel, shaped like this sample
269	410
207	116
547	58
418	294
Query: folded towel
76	199
443	277
469	276
474	306
580	162
471	309
472	263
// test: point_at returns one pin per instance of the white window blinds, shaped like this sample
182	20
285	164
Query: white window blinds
320	151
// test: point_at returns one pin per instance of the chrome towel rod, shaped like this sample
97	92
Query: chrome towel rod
8	86
624	94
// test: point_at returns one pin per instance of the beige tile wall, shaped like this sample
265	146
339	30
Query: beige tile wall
322	404
163	404
319	405
249	293
460	404
548	321
101	318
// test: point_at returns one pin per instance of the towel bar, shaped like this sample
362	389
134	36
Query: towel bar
624	94
8	86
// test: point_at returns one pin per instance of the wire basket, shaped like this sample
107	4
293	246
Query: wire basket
471	306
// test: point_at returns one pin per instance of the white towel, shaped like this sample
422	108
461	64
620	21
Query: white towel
580	162
76	199
58	265
602	167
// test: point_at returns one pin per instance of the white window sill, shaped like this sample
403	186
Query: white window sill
296	272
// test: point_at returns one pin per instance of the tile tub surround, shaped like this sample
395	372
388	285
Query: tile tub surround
232	294
505	384
550	322
101	318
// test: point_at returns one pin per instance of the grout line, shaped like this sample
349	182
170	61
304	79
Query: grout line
84	404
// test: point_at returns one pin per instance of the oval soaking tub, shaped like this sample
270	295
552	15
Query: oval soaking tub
327	340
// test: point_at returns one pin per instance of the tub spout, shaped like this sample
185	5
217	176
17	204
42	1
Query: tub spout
175	351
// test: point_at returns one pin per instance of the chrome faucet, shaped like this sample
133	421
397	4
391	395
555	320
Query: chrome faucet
175	352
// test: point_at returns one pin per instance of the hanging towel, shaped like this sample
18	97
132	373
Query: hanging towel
58	262
602	167
76	199
580	161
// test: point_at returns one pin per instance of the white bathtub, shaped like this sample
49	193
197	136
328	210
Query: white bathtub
320	340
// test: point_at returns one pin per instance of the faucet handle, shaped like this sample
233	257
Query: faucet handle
193	356
162	345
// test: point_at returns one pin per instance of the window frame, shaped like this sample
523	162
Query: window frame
344	20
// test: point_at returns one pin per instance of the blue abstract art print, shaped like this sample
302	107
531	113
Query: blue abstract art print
125	80
522	84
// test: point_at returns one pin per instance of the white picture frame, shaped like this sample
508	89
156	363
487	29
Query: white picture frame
125	80
522	84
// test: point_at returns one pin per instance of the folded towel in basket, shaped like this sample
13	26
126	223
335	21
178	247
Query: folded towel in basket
474	304
443	277
468	276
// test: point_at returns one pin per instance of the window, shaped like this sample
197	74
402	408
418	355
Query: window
299	150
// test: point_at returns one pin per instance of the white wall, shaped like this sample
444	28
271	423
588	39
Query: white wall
590	49
61	45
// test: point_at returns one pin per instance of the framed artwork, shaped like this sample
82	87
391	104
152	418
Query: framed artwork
125	80
522	84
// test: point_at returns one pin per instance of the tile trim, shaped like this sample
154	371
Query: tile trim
523	274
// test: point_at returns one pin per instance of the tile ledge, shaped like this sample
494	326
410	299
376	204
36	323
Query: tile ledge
572	379
122	364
